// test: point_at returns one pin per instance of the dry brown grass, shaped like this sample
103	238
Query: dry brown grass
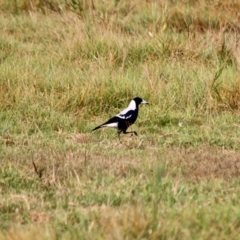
70	177
206	163
121	160
113	190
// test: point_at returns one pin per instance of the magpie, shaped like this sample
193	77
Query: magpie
125	118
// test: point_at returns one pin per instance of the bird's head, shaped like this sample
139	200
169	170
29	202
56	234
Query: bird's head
139	100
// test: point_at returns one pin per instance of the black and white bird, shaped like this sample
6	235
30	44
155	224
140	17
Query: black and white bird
125	118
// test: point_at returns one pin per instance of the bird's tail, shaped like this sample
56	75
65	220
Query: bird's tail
97	128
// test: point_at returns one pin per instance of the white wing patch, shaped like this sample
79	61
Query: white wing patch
121	115
113	125
131	107
127	115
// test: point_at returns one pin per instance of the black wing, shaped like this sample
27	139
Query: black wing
114	119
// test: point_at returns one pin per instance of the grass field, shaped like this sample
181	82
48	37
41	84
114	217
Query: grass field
66	66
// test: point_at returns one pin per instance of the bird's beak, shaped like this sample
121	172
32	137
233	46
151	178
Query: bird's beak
144	102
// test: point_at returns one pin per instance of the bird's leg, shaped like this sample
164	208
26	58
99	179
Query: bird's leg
135	133
131	132
119	132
